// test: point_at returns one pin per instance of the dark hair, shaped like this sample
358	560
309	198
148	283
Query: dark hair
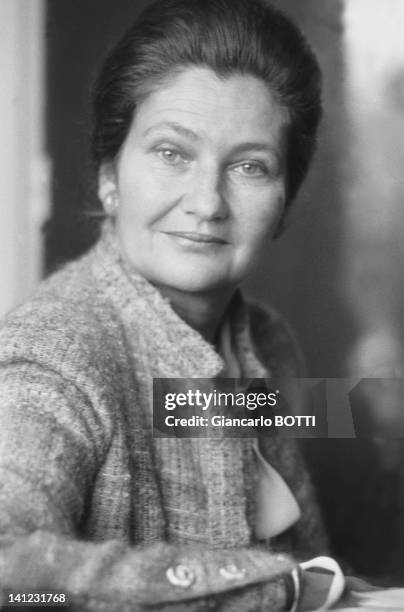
228	36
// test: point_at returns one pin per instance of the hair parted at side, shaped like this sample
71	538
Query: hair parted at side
229	36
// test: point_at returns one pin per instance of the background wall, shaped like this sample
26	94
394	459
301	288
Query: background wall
24	166
336	272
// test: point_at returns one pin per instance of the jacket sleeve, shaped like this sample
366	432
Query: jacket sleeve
48	461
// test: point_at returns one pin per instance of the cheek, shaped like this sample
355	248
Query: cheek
141	198
260	219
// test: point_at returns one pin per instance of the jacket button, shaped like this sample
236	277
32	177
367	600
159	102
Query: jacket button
232	572
180	575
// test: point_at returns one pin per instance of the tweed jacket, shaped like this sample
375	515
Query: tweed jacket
91	504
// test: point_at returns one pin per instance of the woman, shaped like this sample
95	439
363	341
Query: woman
205	123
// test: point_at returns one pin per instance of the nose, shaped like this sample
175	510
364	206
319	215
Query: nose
205	196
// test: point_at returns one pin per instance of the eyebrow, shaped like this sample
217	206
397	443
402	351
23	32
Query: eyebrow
176	127
188	133
256	146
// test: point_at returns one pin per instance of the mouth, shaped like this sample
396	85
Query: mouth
198	237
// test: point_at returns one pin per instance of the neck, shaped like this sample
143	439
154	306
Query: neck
202	311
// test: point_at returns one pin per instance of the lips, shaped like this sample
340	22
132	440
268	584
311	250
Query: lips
198	237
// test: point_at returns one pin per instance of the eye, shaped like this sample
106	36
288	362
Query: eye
251	169
171	156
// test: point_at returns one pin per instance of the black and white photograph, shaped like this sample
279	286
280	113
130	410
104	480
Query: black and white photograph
201	305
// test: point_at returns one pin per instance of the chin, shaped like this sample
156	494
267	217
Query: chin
196	281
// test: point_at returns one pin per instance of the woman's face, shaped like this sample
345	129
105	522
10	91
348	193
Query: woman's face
201	180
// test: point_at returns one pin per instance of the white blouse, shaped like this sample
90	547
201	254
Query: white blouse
276	506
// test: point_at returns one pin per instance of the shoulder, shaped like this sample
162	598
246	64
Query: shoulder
275	341
66	326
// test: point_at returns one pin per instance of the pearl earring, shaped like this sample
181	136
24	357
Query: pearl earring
111	203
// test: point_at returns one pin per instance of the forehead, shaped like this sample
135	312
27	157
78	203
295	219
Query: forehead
214	109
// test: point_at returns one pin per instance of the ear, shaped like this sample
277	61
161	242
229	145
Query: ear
107	181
